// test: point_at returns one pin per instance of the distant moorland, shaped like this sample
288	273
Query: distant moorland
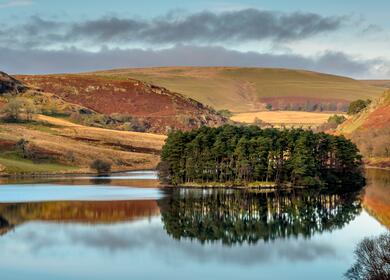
62	123
252	89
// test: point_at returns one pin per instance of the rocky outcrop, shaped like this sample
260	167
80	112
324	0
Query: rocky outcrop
10	85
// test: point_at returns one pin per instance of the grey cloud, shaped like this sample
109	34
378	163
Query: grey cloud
372	28
15	3
204	27
75	60
153	238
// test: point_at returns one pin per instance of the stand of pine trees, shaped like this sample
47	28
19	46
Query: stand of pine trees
240	154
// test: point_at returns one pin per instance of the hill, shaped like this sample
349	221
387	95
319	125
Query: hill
370	130
251	89
128	104
46	142
59	146
377	83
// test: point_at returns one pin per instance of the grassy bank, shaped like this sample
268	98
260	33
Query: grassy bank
70	148
13	164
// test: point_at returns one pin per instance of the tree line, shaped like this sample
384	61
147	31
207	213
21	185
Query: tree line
240	154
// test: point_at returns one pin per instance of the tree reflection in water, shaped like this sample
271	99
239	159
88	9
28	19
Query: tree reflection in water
236	216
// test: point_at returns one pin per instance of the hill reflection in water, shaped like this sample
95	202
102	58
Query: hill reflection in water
96	212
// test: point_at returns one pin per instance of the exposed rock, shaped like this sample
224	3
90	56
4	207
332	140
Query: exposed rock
10	85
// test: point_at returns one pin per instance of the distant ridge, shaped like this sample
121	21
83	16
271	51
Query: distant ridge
251	89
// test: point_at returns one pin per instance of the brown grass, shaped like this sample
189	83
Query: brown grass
288	118
243	89
79	145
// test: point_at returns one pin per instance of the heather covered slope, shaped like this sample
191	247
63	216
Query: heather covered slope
251	89
370	130
43	144
158	109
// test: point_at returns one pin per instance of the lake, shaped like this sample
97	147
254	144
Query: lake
125	227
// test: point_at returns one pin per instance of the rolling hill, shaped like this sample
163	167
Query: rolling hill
56	145
370	130
153	108
377	83
251	89
65	147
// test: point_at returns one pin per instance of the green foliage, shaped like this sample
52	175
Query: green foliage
117	121
225	113
332	123
15	164
18	109
357	106
247	154
268	107
23	147
336	119
101	166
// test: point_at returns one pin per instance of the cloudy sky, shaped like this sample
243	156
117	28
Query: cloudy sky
350	37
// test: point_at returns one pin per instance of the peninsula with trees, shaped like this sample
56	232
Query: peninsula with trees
250	156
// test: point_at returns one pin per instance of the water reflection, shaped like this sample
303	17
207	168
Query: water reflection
106	212
126	179
202	234
377	195
236	216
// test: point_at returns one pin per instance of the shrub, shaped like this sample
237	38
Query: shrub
12	110
16	107
225	113
121	117
23	147
336	119
358	106
101	166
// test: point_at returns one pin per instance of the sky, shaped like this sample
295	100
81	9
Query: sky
350	37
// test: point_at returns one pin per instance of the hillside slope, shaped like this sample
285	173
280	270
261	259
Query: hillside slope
64	147
159	109
250	89
370	130
43	144
10	85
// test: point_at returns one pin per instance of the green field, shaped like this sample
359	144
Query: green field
241	89
14	164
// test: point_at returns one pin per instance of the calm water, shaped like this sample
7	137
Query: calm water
61	228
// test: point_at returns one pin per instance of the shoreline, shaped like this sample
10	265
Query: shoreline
72	173
116	171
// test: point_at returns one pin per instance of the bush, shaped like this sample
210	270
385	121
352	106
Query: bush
24	148
101	166
121	117
12	110
225	113
16	107
358	106
136	124
336	119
